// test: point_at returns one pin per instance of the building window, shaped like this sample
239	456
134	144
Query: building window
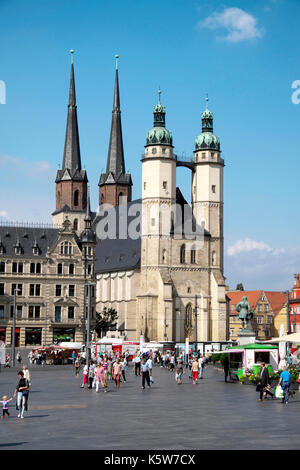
2	267
154	150
20	267
38	268
259	308
35	250
15	267
259	320
193	256
214	258
71	290
165	185
182	254
144	185
266	308
212	155
269	319
153	222
19	289
58	313
2	289
32	268
213	188
70	313
76	197
189	316
164	256
59	268
66	248
58	290
71	269
75	224
203	156
1	311
267	333
35	290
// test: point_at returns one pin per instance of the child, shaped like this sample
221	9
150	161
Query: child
179	372
5	402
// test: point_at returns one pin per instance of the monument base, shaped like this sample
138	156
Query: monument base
246	337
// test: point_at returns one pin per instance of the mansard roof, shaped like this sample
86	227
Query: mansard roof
27	237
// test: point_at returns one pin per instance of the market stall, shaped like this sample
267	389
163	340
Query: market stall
250	356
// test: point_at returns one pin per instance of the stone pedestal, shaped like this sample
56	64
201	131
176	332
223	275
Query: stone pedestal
246	337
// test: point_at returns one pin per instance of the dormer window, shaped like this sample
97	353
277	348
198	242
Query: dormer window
18	249
2	249
35	250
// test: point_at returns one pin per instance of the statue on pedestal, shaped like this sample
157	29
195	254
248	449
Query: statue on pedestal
245	313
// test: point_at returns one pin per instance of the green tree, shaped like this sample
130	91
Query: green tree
240	286
105	321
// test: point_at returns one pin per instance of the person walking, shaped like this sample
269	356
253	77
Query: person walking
285	381
145	373
73	358
27	375
179	372
77	366
195	370
137	364
150	366
172	362
124	365
264	380
201	366
117	371
91	373
85	376
5	403
19	358
100	378
22	394
226	367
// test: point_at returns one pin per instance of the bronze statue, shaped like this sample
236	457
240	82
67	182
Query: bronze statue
245	313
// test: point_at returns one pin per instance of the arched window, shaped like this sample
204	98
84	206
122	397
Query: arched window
189	316
75	224
182	254
76	198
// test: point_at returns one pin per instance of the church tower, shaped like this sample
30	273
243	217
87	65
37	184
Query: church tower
71	181
208	187
115	183
158	196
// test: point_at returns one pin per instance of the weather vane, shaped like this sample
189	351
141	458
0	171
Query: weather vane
72	59
117	60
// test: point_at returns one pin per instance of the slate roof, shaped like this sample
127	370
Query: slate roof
27	237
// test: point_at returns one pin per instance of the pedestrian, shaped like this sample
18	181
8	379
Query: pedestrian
73	358
137	364
179	372
22	394
77	366
145	373
91	373
150	366
85	376
7	360
226	367
100	378
290	359
30	357
172	362
285	381
5	403
264	380
190	363
123	363
195	370
19	358
27	375
201	366
117	370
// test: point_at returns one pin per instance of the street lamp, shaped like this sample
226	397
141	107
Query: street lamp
88	328
14	327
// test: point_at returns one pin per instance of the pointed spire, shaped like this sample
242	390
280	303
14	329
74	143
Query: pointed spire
115	158
88	215
71	159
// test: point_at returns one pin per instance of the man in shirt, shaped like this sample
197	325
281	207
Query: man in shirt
145	373
137	364
264	380
150	365
201	366
284	381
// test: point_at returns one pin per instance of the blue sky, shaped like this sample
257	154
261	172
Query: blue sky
244	54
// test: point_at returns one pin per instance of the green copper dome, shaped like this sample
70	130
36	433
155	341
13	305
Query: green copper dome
207	139
159	134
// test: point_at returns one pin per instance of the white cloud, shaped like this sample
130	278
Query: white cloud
4	214
246	245
35	168
240	25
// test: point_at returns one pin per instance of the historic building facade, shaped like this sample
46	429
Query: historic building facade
164	284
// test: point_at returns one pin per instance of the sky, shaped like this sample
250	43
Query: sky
242	53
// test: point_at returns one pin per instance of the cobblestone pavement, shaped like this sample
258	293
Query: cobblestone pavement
211	415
